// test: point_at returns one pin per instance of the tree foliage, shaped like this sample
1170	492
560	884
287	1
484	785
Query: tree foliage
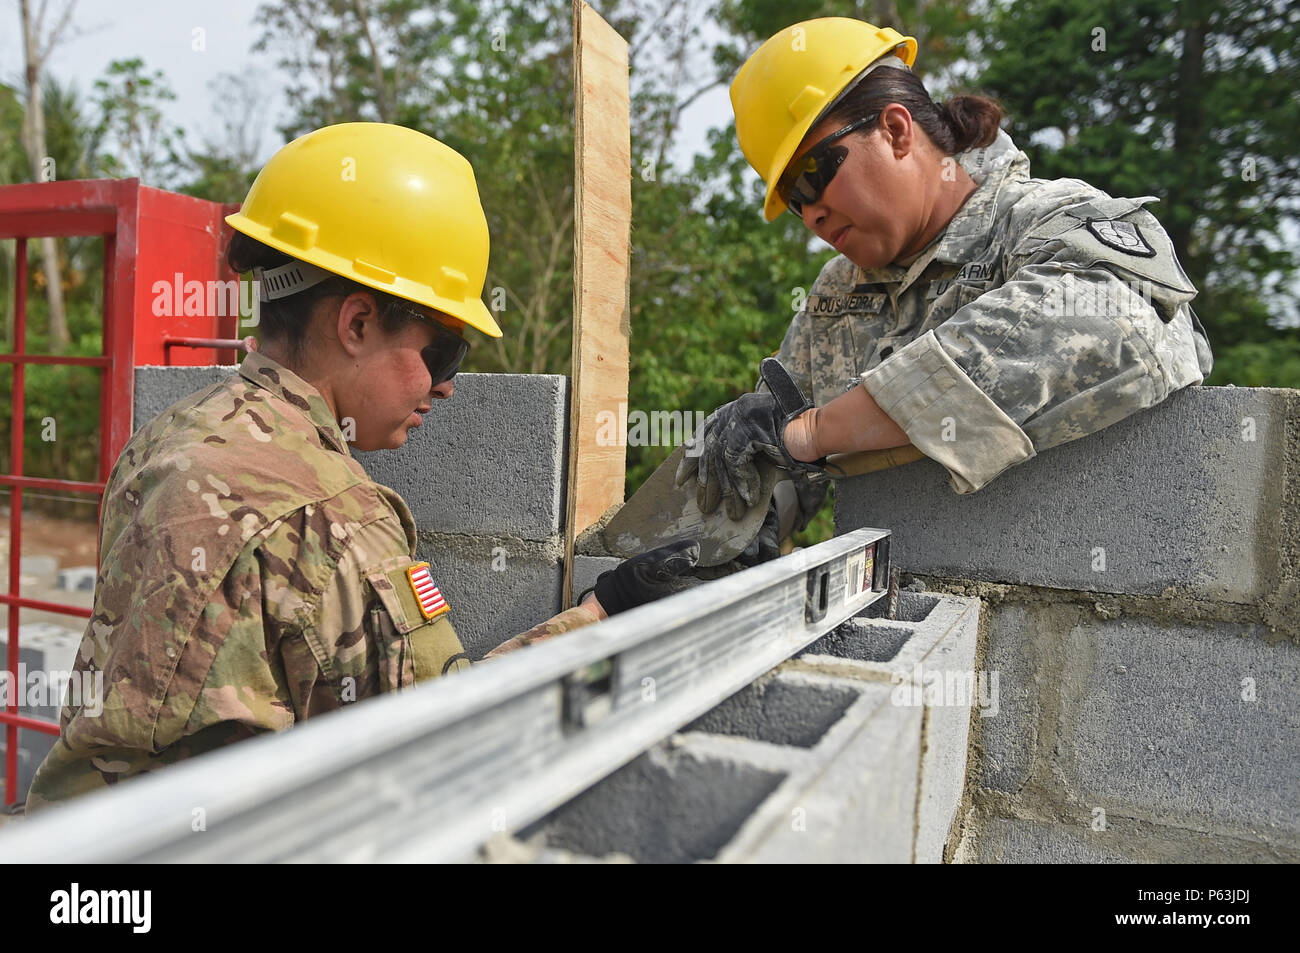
1192	101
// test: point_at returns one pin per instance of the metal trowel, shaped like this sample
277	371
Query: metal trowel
661	511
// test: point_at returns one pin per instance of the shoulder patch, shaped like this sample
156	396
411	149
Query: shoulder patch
427	594
1121	236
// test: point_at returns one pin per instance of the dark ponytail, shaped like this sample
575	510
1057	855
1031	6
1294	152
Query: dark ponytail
962	123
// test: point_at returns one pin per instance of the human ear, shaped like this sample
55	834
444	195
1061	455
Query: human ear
355	322
898	130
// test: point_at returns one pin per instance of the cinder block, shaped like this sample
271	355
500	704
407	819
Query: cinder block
807	769
1194	726
587	568
157	388
780	709
1004	840
496	587
1007	745
929	663
489	462
854	798
1191	494
669	805
33	746
1143	718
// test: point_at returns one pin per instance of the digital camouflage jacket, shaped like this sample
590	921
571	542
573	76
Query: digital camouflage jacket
1045	311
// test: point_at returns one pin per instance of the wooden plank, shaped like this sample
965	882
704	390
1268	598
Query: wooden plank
602	227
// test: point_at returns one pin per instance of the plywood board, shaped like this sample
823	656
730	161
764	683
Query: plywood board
602	236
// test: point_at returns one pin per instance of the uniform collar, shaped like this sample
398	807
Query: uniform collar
269	375
989	167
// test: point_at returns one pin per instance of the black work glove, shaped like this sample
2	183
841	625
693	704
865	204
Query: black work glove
721	457
647	577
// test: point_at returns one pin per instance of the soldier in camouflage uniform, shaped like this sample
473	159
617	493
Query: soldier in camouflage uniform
976	313
251	574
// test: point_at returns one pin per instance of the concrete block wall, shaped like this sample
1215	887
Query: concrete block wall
483	476
1141	592
835	756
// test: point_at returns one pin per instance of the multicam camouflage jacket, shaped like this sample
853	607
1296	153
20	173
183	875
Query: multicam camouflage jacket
1045	311
251	576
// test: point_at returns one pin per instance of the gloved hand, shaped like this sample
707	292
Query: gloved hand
647	577
808	498
721	456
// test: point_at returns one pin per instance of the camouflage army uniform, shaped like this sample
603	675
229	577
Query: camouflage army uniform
252	575
1044	312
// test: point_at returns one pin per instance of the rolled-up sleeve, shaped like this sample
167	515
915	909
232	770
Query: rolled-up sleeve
1065	347
947	417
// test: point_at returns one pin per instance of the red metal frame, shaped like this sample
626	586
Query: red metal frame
150	236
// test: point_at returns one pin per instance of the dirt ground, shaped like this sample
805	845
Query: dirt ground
71	541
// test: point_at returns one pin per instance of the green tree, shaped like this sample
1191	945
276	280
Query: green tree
69	396
138	138
1192	101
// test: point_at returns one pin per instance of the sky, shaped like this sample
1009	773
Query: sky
160	32
163	34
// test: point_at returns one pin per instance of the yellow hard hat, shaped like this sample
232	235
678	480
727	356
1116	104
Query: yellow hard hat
386	206
782	89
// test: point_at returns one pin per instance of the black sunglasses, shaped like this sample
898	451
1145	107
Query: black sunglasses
443	357
805	179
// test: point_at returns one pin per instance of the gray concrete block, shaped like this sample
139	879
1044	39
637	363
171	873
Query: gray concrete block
490	461
853	801
33	746
587	568
1176	496
669	805
157	388
497	587
1004	840
1142	718
930	664
1008	744
947	732
1194	726
779	710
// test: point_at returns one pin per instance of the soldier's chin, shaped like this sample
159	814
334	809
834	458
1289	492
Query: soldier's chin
392	441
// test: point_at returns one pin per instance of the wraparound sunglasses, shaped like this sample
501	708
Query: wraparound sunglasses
805	179
444	356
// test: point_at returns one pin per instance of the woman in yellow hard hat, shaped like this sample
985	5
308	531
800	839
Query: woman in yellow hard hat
974	312
252	574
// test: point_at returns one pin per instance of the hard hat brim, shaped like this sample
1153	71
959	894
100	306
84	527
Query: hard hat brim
472	311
